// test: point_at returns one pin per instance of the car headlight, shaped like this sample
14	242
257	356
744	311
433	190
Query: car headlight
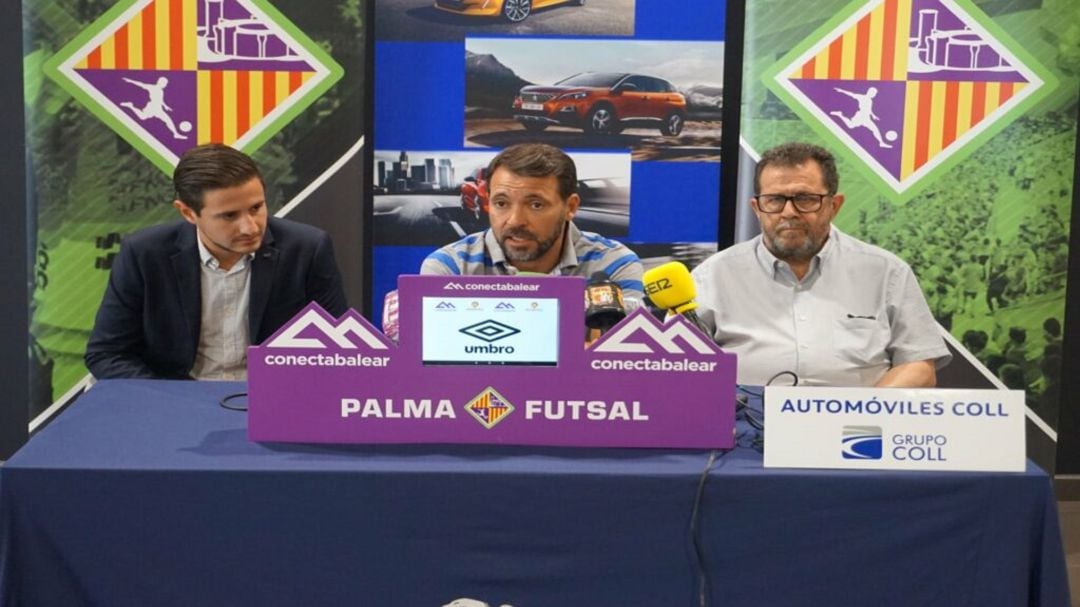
569	96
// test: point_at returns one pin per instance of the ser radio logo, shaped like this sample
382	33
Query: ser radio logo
906	85
170	74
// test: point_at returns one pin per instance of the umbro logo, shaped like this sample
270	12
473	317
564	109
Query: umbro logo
490	331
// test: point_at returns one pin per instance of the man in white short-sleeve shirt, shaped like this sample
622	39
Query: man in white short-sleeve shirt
803	297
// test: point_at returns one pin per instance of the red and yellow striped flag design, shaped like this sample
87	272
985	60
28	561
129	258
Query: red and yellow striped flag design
874	49
162	36
232	101
937	113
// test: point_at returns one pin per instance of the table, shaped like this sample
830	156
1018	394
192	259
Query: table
148	493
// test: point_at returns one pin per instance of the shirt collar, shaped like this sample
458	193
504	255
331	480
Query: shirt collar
568	259
207	259
771	264
493	248
828	252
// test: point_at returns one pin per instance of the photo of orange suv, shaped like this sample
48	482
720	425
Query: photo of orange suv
603	103
511	10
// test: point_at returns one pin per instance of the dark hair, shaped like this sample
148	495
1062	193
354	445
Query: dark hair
538	160
994	362
1012	376
1052	326
1051	365
1018	334
795	153
975	339
211	166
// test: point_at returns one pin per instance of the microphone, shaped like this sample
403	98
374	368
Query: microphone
671	287
390	325
604	306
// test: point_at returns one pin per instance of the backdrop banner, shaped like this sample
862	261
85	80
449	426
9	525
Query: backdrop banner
954	124
117	90
632	89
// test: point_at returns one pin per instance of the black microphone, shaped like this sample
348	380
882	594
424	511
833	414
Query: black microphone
604	306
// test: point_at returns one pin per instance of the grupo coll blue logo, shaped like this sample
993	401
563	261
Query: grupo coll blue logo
861	442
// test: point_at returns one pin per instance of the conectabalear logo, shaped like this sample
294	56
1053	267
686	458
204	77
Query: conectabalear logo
316	329
906	84
642	335
170	74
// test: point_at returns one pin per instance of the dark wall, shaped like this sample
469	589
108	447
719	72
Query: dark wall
729	147
1068	452
14	330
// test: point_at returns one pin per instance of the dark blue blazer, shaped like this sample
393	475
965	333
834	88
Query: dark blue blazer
148	322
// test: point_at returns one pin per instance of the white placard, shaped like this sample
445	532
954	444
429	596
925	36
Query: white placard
895	429
504	330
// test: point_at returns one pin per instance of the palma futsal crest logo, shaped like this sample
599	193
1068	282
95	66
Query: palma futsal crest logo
905	85
489	408
171	74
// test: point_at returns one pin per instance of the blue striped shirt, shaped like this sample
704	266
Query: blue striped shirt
584	253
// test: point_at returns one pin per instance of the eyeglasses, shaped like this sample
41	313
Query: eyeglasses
804	203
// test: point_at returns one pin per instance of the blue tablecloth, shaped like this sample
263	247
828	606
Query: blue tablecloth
148	493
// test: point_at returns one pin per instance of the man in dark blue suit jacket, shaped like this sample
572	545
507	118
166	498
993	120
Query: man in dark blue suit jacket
153	322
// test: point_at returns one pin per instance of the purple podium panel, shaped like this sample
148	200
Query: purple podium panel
495	360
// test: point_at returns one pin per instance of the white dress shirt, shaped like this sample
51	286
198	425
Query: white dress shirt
223	329
856	313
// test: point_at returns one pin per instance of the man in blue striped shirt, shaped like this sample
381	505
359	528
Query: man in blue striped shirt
533	202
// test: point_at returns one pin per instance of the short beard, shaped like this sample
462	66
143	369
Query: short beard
804	252
542	246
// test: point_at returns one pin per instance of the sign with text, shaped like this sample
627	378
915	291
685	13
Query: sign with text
895	429
463	373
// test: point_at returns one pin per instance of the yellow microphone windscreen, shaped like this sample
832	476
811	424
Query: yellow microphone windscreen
670	286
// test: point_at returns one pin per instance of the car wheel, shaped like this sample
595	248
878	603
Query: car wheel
602	120
516	10
533	127
673	124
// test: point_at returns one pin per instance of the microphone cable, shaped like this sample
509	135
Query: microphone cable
701	572
743	407
226	402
